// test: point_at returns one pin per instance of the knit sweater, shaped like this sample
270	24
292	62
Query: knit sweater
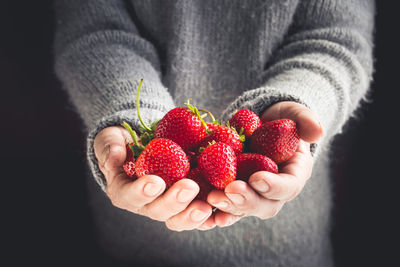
225	55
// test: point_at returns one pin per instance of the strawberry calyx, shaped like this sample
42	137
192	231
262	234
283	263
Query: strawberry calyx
201	149
145	135
136	147
214	121
240	133
196	112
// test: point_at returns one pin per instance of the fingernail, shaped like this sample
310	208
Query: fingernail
185	195
198	215
104	156
151	189
236	198
221	205
260	186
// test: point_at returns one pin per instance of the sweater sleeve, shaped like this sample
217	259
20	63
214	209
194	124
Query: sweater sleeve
325	63
100	58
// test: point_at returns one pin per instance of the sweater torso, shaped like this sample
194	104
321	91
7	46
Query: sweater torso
213	51
225	55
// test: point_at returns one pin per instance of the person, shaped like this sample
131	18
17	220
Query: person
307	60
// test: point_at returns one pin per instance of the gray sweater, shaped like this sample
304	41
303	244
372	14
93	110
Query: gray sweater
225	55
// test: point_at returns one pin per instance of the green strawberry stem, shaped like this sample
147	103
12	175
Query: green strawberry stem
201	149
242	136
137	107
209	113
240	133
132	133
197	113
137	148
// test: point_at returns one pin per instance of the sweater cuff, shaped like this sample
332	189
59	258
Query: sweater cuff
128	115
305	86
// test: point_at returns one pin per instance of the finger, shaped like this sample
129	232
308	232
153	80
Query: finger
269	208
192	217
208	224
307	122
265	210
173	201
251	205
301	163
223	219
110	151
220	200
133	195
237	199
245	200
290	181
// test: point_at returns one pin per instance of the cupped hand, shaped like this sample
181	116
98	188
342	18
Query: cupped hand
145	196
266	193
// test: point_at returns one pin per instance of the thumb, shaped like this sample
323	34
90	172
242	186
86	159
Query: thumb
109	148
308	125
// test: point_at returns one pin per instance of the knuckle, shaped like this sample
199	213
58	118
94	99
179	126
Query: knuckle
115	202
295	192
144	212
156	213
172	225
130	204
173	207
111	195
275	209
308	176
150	214
271	211
250	206
276	188
240	212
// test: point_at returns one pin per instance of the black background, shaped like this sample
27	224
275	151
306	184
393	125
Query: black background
45	218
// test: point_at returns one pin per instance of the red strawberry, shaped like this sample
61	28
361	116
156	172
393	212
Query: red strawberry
192	157
276	139
182	126
129	163
246	119
249	163
225	135
217	164
164	158
212	126
205	186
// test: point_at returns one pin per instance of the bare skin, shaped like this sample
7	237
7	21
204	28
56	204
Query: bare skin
263	197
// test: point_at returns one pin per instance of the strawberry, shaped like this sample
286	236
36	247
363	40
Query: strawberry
129	163
212	126
165	158
182	125
194	154
249	163
225	135
205	186
217	164
133	150
192	157
276	139
246	119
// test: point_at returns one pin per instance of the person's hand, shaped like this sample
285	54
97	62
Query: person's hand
266	193
145	196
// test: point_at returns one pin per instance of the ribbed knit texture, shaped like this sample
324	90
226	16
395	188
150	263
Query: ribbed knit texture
225	55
